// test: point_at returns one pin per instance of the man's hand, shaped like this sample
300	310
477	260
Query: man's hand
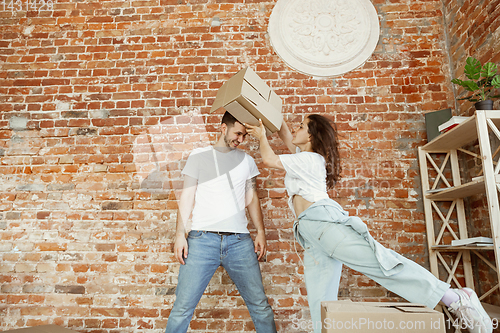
186	204
260	244
181	248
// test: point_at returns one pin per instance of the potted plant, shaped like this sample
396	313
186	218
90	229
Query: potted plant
482	82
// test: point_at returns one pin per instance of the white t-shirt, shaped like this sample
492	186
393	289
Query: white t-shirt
305	176
220	193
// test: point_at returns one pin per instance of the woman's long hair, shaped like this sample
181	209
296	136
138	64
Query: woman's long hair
324	141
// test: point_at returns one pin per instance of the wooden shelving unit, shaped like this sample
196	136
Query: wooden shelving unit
443	197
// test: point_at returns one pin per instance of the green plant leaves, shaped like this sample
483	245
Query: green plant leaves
482	80
472	68
496	81
489	70
469	85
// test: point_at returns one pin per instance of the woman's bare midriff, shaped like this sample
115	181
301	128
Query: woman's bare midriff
300	204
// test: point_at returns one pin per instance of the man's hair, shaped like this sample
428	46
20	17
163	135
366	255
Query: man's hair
228	119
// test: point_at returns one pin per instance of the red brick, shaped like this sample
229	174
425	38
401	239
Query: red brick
108	312
142	313
51	247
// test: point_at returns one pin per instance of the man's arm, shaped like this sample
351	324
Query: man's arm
186	204
253	206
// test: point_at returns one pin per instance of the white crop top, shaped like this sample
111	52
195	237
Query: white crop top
305	176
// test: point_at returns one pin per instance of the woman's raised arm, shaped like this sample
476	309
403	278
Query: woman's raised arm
269	158
287	137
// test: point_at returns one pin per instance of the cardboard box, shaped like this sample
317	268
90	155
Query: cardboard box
42	329
248	98
363	317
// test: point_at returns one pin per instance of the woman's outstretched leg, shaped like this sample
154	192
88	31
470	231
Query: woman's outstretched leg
412	281
341	242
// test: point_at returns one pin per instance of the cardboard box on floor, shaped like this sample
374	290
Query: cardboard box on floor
248	98
363	317
42	329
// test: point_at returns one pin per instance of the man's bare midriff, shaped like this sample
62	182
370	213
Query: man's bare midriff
300	204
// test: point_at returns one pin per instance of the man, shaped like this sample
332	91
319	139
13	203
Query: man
219	182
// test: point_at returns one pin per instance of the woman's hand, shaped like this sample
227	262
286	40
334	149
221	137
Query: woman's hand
257	131
269	158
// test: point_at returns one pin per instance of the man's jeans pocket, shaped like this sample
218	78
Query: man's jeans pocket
195	234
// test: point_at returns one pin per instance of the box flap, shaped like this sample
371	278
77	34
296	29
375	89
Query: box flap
219	101
229	89
256	82
404	307
42	329
275	101
244	116
413	309
394	304
250	93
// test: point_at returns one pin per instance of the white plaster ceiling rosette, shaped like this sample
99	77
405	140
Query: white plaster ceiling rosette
324	37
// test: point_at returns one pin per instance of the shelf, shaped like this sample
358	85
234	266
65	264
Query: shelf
461	191
453	263
464	133
458	136
450	248
456	192
492	310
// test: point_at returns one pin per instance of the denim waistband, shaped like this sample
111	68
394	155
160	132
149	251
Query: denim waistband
336	212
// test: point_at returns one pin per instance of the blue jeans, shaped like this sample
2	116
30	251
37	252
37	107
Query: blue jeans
206	252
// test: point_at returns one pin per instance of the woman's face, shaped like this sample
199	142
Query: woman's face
302	134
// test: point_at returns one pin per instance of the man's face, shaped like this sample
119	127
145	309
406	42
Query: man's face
234	135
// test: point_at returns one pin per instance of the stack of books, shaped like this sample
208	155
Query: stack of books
453	122
477	241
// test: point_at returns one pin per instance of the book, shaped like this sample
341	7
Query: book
436	190
449	128
433	119
453	122
481	241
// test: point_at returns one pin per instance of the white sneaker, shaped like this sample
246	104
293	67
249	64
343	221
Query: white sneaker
470	312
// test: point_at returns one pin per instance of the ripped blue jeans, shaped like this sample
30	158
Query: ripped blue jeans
331	238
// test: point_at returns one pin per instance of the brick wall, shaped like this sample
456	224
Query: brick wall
98	94
473	28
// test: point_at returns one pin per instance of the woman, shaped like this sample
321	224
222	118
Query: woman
331	237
